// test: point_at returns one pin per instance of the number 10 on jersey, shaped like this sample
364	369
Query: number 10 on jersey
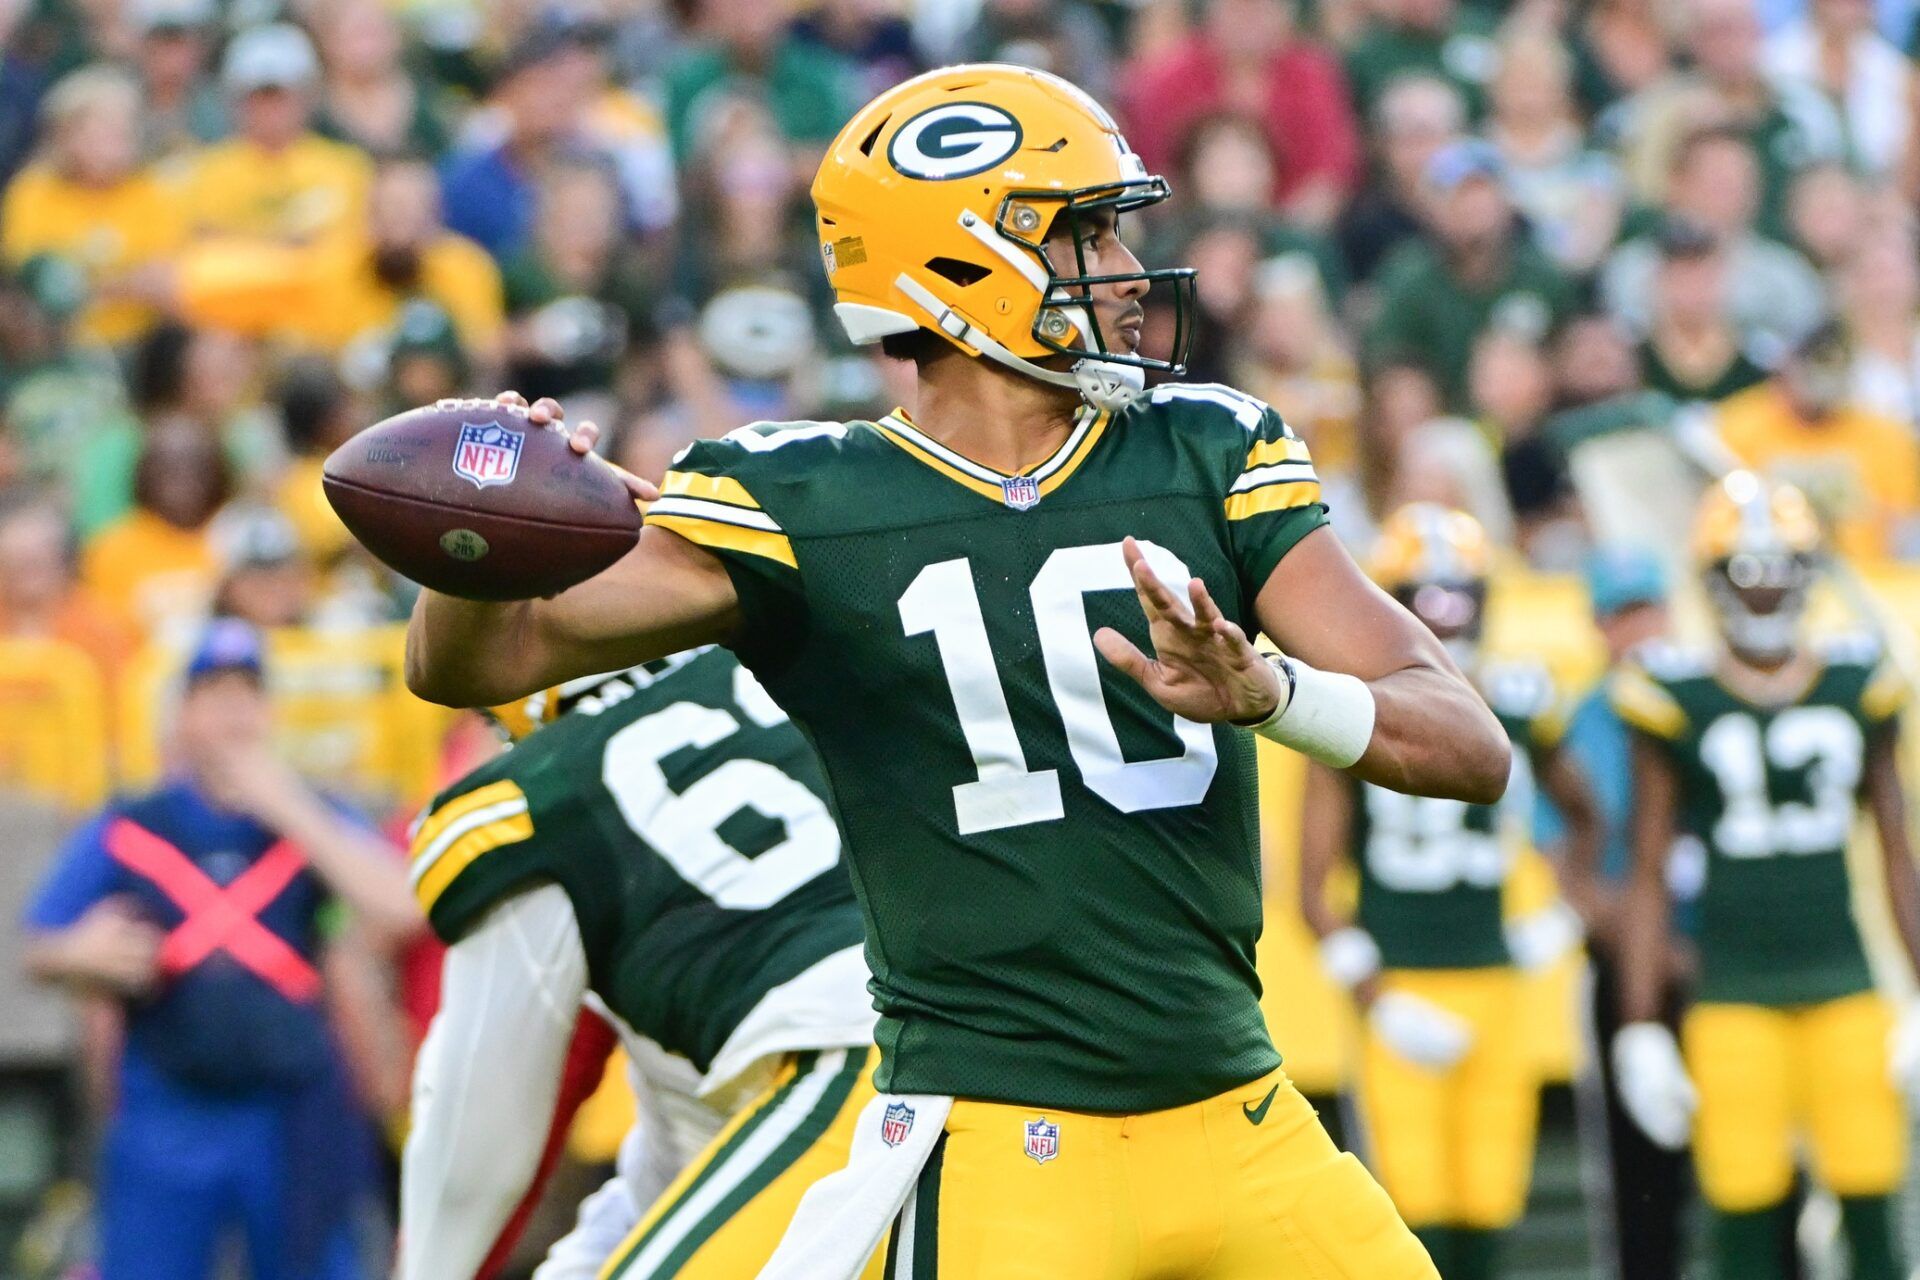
942	600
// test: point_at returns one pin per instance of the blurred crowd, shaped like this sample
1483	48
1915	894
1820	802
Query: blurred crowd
1451	242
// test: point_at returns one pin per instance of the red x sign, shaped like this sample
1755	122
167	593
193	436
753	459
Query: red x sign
220	919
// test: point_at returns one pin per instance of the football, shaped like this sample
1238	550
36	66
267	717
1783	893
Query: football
470	498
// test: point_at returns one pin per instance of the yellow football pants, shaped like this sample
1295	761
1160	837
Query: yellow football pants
1455	1147
1242	1186
1770	1078
723	1216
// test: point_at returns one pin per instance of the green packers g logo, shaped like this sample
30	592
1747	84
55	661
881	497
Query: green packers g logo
954	140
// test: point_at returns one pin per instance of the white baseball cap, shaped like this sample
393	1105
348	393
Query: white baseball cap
275	56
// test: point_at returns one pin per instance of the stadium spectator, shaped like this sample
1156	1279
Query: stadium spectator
1620	47
86	199
1692	350
26	73
209	379
409	254
1879	295
197	908
1226	176
368	98
154	566
1833	48
317	415
276	181
737	43
180	108
1065	37
1716	186
1860	469
265	579
424	359
876	37
1828	210
40	595
1434	37
1475	269
1569	194
1248	57
1415	117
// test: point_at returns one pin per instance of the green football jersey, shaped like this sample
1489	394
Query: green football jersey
686	819
1061	880
1433	871
1772	794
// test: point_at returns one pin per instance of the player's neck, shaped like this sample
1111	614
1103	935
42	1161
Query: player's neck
1769	684
994	416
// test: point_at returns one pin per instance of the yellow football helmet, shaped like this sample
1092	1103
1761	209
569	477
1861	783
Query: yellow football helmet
933	205
516	720
1757	542
1435	561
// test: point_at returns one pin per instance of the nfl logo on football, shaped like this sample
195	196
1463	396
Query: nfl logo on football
1021	491
1043	1140
896	1124
487	453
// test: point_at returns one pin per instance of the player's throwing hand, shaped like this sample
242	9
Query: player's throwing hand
546	412
1204	667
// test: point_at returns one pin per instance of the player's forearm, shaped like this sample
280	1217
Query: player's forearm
1579	865
1433	735
1643	939
470	653
1887	801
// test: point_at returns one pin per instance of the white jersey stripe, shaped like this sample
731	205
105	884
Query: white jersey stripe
720	512
468	822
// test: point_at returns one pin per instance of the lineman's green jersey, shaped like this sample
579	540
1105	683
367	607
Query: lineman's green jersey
1772	794
1061	880
1432	870
686	819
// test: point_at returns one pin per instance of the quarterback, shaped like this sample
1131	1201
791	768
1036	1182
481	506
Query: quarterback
1449	1096
663	851
1764	750
1015	625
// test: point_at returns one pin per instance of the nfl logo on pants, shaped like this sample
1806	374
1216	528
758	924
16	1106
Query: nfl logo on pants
487	453
896	1124
1043	1140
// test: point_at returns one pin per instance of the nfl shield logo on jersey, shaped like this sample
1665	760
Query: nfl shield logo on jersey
896	1124
1043	1140
487	453
1021	492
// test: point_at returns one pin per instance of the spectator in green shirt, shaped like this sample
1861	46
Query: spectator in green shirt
1438	37
811	90
1474	269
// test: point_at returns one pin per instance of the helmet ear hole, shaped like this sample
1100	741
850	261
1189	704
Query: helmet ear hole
958	270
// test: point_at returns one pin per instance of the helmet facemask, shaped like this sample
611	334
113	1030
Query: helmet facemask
1454	610
1759	599
1067	321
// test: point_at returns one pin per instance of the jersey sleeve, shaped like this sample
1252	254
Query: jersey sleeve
473	849
714	497
1645	703
1273	500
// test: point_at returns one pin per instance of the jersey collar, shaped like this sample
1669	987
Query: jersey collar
1089	425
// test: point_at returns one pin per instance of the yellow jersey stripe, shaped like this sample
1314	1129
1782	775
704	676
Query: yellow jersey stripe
1071	465
1886	694
1646	706
1273	497
952	473
728	537
459	807
717	488
461	854
1267	451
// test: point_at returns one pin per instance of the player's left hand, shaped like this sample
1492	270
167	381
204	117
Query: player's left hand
1903	1050
1204	667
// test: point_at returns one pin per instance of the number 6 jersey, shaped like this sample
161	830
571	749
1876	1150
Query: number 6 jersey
1771	792
1061	879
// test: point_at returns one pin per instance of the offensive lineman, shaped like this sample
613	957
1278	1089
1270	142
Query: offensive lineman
1057	865
1449	1095
1764	751
662	849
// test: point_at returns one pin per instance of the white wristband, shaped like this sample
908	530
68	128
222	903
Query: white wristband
1329	716
1349	956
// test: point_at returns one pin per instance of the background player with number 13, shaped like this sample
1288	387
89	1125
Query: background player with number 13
1015	626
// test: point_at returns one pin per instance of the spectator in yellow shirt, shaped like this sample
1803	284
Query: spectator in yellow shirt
276	180
155	565
86	199
411	254
1860	468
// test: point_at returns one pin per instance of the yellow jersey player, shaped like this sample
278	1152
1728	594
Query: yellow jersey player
1763	750
1015	626
1448	1091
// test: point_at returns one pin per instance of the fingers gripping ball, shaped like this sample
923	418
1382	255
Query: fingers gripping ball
475	499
